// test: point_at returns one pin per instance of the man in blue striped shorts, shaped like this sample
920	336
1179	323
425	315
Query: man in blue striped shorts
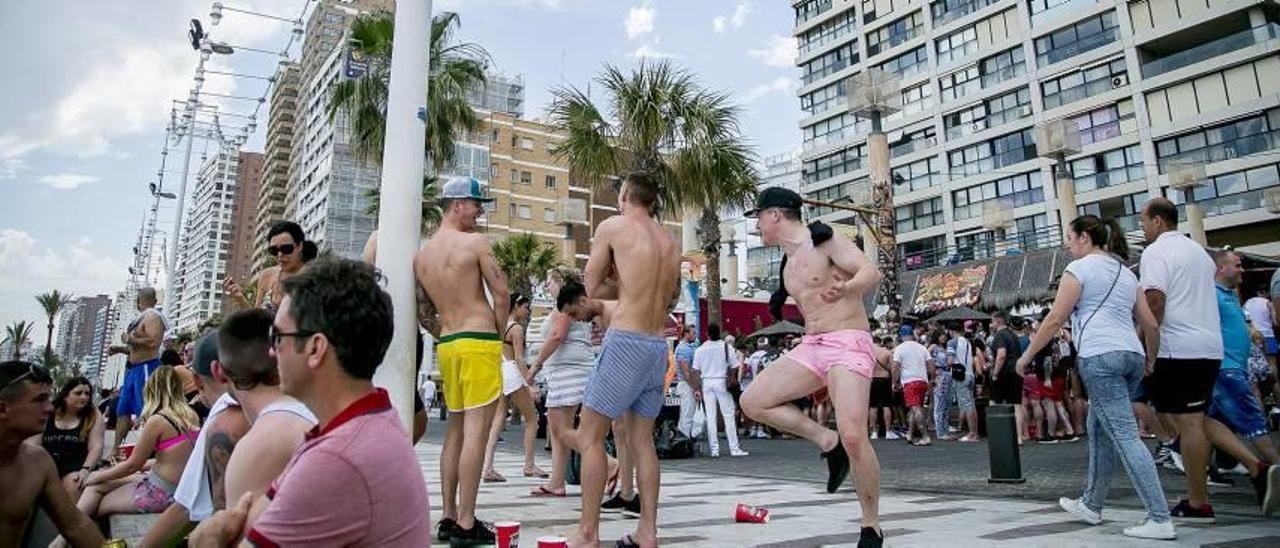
635	261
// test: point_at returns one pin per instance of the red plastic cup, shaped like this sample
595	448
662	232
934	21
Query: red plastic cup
553	542
508	534
127	450
751	514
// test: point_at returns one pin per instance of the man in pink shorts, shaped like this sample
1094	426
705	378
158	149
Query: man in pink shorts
828	277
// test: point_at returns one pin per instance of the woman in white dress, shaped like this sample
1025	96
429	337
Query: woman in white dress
516	389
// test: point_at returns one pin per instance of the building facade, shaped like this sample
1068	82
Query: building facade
1150	84
77	327
205	249
281	118
243	216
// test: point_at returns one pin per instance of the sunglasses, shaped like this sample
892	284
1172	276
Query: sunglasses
276	335
286	249
34	372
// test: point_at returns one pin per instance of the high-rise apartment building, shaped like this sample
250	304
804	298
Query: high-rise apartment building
500	93
77	323
758	270
205	249
281	118
1150	84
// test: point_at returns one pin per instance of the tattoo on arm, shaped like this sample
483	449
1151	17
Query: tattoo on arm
218	453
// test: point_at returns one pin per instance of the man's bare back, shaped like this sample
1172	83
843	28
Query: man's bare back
31	480
645	259
450	268
810	274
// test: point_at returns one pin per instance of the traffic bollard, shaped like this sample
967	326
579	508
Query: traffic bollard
1002	444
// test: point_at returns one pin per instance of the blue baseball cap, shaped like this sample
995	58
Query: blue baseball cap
463	188
906	331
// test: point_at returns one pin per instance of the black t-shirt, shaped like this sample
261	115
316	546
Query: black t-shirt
1008	340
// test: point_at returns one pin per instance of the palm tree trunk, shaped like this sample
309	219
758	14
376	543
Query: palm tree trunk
48	343
709	234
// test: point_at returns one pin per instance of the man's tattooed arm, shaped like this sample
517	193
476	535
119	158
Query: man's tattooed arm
231	426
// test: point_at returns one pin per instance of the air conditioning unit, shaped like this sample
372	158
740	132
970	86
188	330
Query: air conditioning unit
1119	81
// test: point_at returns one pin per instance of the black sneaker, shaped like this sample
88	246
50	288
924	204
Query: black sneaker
478	535
870	538
1218	480
632	507
445	529
1185	513
1271	500
837	467
1048	441
615	504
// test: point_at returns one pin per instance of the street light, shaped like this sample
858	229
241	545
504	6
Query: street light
1186	178
1057	139
874	94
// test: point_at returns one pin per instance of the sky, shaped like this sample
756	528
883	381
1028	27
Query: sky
90	85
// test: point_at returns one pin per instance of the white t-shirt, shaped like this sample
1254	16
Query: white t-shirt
1259	309
193	488
914	358
712	359
960	350
1182	270
1111	328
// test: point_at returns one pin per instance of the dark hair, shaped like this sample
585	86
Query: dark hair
937	336
1163	209
341	299
713	331
517	299
287	227
789	214
570	292
979	344
641	189
309	251
1001	315
170	357
86	414
12	369
1103	234
1018	323
244	349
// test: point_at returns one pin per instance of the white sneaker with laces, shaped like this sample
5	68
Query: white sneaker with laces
738	453
891	435
1175	459
1239	470
1151	530
1077	508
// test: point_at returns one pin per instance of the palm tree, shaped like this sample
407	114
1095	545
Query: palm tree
455	70
524	257
431	212
18	334
659	120
53	302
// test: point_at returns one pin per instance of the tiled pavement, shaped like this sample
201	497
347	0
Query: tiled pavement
696	509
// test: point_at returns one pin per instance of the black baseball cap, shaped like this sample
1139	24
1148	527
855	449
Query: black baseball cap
775	197
206	352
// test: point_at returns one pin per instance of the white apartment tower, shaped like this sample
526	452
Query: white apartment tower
206	242
1151	85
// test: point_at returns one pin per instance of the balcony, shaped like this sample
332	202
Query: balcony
1231	203
1226	150
1088	44
946	12
1064	8
1085	91
990	80
1208	50
1011	243
1109	178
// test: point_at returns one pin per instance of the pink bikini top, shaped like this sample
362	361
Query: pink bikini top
165	444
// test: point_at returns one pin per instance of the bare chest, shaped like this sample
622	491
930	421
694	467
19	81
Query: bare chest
808	270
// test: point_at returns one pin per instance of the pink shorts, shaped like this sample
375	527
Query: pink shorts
851	349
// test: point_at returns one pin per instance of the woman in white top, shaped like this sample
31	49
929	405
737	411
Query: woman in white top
1102	297
516	387
567	354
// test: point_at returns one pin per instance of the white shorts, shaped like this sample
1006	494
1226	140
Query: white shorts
512	380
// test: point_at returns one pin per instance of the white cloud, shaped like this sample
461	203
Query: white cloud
67	181
639	20
653	50
28	267
780	51
781	84
719	23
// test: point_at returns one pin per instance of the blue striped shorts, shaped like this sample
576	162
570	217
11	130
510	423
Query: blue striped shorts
629	375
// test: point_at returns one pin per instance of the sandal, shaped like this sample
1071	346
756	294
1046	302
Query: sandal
536	472
492	476
542	491
627	542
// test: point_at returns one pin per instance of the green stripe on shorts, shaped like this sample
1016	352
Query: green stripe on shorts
474	335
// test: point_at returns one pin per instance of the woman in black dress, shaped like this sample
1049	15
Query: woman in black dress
74	434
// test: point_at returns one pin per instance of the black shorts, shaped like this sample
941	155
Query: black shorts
1007	388
881	392
1183	386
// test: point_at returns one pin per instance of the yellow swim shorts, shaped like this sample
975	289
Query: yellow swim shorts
470	369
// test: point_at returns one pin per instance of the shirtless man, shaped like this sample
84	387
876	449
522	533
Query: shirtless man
27	475
827	282
882	390
142	341
637	262
454	268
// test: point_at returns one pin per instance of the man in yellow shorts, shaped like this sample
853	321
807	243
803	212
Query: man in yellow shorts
454	268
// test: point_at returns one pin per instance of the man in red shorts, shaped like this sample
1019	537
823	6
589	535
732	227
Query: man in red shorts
912	369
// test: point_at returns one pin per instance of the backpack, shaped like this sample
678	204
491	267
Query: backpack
670	443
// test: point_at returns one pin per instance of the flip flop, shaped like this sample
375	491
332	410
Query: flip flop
492	476
542	491
536	472
627	542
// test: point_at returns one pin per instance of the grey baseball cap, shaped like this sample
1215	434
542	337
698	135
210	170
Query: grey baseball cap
463	188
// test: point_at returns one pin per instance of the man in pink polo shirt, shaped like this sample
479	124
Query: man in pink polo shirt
355	480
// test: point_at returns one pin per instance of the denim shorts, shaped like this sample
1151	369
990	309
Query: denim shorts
1235	405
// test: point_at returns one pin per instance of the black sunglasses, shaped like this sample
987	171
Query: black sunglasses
287	249
277	335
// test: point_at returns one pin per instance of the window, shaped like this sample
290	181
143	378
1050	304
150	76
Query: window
1124	209
838	163
526	143
525	212
493	136
1010	192
991	113
833	193
823	98
916	98
923	253
1002	66
908	63
1234	139
1082	84
895	33
1103	123
957	45
526	178
990	155
1111	168
551	181
493	172
810	9
917	175
515	175
830	62
834	128
511	211
1233	192
1085	35
911	141
1041	6
549	215
919	215
959	83
945	11
827	32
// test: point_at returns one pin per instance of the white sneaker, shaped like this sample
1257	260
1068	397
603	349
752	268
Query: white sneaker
1175	458
1152	530
715	453
891	435
738	453
1077	508
875	435
1239	470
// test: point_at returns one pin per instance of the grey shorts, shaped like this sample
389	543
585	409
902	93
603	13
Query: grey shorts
629	375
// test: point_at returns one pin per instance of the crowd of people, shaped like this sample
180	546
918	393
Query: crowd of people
230	432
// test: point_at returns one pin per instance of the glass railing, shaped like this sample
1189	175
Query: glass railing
1118	176
913	145
1209	50
950	11
1226	150
1013	243
1233	203
989	80
1091	43
1080	92
1056	12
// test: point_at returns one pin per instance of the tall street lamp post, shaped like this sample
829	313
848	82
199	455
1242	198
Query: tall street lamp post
874	94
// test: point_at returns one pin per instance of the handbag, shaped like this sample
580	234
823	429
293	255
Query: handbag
957	369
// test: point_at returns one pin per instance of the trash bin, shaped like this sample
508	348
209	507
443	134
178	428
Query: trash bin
1002	445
